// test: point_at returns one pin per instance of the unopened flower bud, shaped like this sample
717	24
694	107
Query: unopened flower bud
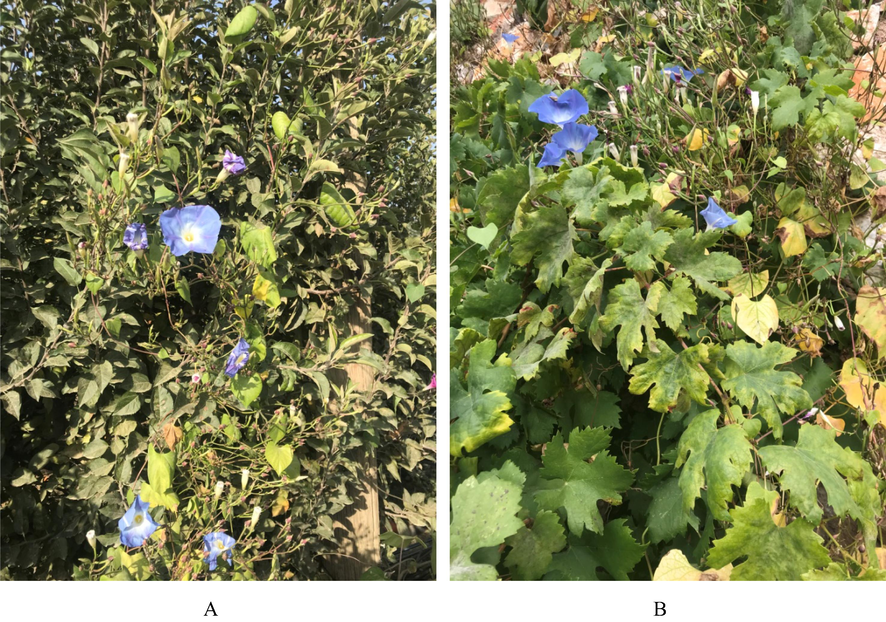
612	108
90	537
219	488
133	122
123	163
614	151
256	513
838	323
755	101
244	478
623	92
634	160
637	72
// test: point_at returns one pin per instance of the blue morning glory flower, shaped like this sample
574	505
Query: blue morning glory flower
566	108
575	137
678	73
192	228
215	544
136	236
510	38
233	164
553	155
238	358
136	526
715	216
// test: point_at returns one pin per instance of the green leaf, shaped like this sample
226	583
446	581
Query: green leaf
547	235
671	372
787	105
501	194
585	283
483	515
281	124
673	304
183	289
577	485
718	458
751	379
615	550
258	243
161	468
242	22
280	457
687	256
626	308
773	553
65	268
414	292
246	388
818	459
641	245
528	359
479	410
533	548
484	236
667	517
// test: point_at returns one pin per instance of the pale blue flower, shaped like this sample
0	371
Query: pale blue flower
678	73
136	526
567	108
233	163
218	544
715	216
575	137
553	155
238	358
510	38
192	228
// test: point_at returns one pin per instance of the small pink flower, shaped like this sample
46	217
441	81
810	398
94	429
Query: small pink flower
433	384
195	378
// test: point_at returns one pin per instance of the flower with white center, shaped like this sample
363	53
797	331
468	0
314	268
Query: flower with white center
190	228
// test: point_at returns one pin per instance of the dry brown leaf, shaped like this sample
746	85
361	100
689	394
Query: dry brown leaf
830	423
171	434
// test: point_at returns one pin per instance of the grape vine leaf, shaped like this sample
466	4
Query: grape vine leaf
751	378
615	550
626	308
773	553
483	515
642	244
530	357
817	458
667	516
669	372
501	193
787	104
870	315
479	410
546	233
687	256
576	484
716	458
533	548
585	283
839	572
757	318
673	304
675	567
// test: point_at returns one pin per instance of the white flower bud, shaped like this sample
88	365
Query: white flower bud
219	489
637	72
838	323
612	108
244	478
133	123
614	151
755	101
634	159
123	164
256	513
684	95
90	537
623	95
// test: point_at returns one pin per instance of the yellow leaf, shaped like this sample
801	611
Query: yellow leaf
590	15
861	390
675	567
197	99
749	284
777	517
697	138
881	555
808	341
757	318
662	193
867	149
266	290
830	423
281	504
564	57
706	55
870	315
733	135
793	237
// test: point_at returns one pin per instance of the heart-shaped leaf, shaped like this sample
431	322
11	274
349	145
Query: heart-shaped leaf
484	236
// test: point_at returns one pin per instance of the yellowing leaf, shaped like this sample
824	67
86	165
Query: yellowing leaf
870	315
777	517
793	237
807	341
591	14
696	138
757	318
565	57
830	423
733	135
706	55
171	434
663	194
749	284
861	390
281	503
675	567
